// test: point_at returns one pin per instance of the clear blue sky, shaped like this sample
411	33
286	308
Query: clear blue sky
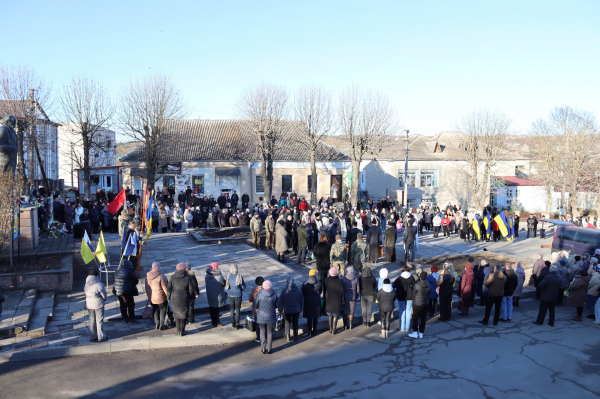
437	60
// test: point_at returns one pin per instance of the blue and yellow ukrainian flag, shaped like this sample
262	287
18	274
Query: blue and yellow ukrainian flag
500	220
476	229
487	222
511	228
150	200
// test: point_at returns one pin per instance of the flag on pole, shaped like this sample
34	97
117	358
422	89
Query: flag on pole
131	246
500	220
511	225
86	249
488	225
149	215
118	202
101	249
476	229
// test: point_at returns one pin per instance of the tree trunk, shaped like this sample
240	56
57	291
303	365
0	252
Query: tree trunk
263	174
573	201
313	174
548	200
21	176
86	163
562	200
354	185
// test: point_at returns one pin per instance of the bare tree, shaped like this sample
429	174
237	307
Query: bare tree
25	95
144	110
312	106
366	119
87	110
483	146
263	109
544	153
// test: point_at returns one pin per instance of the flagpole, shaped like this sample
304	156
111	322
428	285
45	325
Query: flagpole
143	217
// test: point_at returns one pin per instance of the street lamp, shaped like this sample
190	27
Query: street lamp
406	171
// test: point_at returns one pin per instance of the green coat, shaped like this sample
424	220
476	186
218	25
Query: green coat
338	252
302	236
256	225
359	252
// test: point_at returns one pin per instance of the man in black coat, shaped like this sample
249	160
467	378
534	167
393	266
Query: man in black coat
181	199
221	201
530	226
125	289
410	235
234	200
549	287
374	241
245	201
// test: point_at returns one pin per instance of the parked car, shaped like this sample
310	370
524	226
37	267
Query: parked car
576	240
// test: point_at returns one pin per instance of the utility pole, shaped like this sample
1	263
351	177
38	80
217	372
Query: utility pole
405	202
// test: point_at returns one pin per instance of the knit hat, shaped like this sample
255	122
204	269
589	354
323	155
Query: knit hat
180	266
214	265
563	262
93	272
338	237
434	269
383	273
333	271
266	285
155	266
312	272
259	280
469	266
423	275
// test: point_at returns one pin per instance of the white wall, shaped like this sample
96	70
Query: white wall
531	198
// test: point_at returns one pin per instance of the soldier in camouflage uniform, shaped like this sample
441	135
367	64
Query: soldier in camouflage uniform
358	254
256	226
270	228
338	255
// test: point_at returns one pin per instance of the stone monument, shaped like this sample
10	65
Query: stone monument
8	144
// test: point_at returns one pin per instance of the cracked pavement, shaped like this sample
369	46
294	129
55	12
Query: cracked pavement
455	359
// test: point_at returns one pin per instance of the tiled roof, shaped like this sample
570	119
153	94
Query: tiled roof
518	181
225	140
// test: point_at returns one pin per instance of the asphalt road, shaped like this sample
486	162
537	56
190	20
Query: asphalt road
455	360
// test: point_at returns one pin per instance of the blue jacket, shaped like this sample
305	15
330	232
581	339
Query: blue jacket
291	300
432	280
266	307
235	291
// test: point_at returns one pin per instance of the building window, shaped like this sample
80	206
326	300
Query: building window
286	183
509	192
429	178
259	188
108	181
198	183
411	176
310	183
108	143
520	170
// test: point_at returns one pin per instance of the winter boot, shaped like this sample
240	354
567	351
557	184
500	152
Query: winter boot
577	318
517	298
330	324
295	335
345	320
334	324
350	320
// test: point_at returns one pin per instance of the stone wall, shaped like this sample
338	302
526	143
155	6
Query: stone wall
58	280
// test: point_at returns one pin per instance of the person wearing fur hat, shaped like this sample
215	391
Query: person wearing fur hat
266	315
432	279
95	298
334	298
422	291
156	291
311	291
180	291
215	292
385	298
480	278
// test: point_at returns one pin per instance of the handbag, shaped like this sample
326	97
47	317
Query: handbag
148	312
250	324
279	323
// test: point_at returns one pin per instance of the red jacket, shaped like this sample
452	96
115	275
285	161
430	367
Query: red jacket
446	221
303	205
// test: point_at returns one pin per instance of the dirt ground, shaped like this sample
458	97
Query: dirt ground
30	263
226	232
459	261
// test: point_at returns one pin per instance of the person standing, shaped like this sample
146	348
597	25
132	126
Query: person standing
549	287
351	293
409	238
156	291
180	291
215	292
235	286
578	289
437	223
266	315
536	270
563	273
358	254
334	298
245	201
281	245
432	279
512	282
422	291
530	226
270	229
338	255
95	298
593	290
311	292
391	236
374	240
194	280
367	287
256	227
125	288
69	214
446	284
520	273
404	286
385	298
467	282
302	235
291	304
495	284
321	252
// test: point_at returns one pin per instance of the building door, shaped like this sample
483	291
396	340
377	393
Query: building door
335	190
169	181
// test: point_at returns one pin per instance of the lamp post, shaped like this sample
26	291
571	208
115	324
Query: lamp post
406	172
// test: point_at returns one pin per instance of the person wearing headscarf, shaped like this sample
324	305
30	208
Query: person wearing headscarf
266	315
334	298
422	290
520	273
432	279
467	282
194	280
385	298
367	288
351	292
156	291
383	274
215	292
95	298
235	286
291	304
180	291
311	291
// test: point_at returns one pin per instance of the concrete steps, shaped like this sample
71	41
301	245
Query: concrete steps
16	312
42	314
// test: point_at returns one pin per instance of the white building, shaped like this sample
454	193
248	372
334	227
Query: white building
102	153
